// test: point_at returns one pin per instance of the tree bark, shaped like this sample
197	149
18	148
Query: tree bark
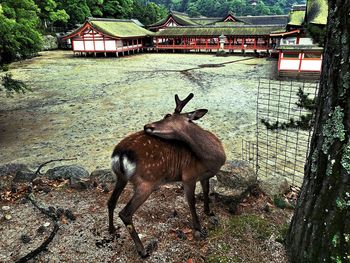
320	228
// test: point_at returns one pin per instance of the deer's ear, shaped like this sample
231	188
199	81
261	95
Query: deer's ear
197	114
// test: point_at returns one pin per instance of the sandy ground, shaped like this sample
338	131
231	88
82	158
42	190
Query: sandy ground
81	107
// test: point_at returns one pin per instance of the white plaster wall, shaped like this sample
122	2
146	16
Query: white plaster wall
78	46
314	65
89	45
99	46
110	45
289	64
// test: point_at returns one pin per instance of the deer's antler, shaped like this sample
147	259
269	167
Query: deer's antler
180	104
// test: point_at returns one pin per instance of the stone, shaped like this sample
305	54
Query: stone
101	176
5	208
50	42
12	168
8	217
234	178
275	186
66	172
24	176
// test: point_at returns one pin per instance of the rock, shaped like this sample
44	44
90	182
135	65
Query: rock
47	224
275	186
8	217
25	239
24	176
5	208
213	182
79	178
101	176
67	172
12	168
50	42
234	178
69	214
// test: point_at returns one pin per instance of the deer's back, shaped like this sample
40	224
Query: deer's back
152	158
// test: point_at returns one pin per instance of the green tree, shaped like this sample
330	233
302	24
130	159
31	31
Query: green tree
148	13
49	13
118	8
19	35
96	7
78	10
320	228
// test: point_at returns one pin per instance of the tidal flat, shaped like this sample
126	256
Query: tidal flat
80	107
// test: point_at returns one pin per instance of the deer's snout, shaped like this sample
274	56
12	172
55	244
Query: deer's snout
149	128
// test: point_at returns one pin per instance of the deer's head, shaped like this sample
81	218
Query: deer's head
177	124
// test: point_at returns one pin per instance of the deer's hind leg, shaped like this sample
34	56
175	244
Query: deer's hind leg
205	187
112	202
141	193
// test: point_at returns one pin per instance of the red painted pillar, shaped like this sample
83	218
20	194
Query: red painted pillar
301	60
279	61
255	42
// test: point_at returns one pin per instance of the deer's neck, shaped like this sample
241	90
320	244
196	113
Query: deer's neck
205	145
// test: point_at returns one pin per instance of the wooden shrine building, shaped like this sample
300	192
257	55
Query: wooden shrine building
100	35
298	55
244	33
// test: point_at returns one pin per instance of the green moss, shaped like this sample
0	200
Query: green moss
345	161
240	225
335	240
120	28
296	18
282	232
346	83
317	11
314	162
217	31
333	129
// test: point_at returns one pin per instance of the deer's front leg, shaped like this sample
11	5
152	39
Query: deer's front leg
189	188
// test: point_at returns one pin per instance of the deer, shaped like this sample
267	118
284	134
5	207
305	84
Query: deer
173	149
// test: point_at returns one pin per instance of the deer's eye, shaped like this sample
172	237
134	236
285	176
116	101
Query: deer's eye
167	115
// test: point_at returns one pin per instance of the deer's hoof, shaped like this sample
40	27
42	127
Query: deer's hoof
113	230
200	234
208	212
143	254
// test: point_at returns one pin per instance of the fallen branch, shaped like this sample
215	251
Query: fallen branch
51	213
51	161
42	247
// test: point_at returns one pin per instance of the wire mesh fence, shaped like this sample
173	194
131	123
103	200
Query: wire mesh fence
279	151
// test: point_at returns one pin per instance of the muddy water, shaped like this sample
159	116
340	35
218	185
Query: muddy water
81	107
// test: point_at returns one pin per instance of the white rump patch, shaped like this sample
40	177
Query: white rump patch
116	164
129	167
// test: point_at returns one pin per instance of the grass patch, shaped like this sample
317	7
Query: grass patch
252	225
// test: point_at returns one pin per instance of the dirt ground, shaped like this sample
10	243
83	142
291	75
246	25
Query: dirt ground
251	234
81	107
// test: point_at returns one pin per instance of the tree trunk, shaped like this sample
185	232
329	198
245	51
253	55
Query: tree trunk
320	228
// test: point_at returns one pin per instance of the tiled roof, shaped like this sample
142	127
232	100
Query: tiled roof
317	12
118	28
217	31
296	18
